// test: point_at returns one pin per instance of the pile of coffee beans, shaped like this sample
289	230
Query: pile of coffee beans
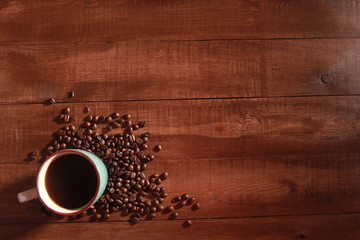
129	190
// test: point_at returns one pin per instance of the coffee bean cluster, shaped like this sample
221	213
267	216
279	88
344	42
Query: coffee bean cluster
129	190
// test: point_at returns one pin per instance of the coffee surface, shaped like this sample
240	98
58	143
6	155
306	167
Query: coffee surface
71	181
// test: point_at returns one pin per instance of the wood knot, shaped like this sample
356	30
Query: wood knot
325	78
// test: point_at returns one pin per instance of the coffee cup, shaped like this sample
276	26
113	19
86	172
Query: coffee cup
69	182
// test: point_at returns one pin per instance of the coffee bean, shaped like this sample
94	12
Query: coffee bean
86	109
158	181
108	119
174	215
101	119
187	223
66	118
190	201
115	115
181	204
177	199
157	148
88	118
93	126
153	209
134	220
71	94
135	127
169	209
95	118
155	203
86	124
152	215
65	110
51	101
106	216
126	116
185	196
143	146
164	175
142	124
127	123
97	216
196	206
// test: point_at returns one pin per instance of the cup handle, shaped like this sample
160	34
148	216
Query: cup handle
28	195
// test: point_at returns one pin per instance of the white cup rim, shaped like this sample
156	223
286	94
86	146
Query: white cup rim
43	194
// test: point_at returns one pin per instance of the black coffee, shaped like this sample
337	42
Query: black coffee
71	181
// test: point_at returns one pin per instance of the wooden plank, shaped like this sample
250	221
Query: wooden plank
205	128
224	187
178	70
25	22
327	227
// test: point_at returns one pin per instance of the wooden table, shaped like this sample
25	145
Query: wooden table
256	104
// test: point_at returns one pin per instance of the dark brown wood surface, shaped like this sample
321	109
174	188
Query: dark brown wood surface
256	104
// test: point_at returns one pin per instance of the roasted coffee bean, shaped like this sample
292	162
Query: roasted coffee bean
93	126
135	220
86	124
187	223
135	127
66	118
181	204
190	201
174	215
108	119
155	203
157	181
152	215
185	196
196	206
92	210
160	208
142	124
169	209
147	204
86	109
153	209
163	195
97	216
106	216
101	119
71	94
164	175
137	215
147	134
95	118
51	101
127	123
126	116
161	200
157	148
143	146
177	199
115	125
150	156
65	110
115	115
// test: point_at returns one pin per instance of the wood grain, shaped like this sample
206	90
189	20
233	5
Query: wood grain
235	187
199	129
157	70
326	227
29	22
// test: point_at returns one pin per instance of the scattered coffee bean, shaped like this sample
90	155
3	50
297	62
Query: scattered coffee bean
51	101
142	124
97	216
86	109
115	115
169	209
126	116
157	148
71	94
135	220
152	215
187	223
65	110
164	175
190	201
177	199
174	215
185	196
196	206
106	216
